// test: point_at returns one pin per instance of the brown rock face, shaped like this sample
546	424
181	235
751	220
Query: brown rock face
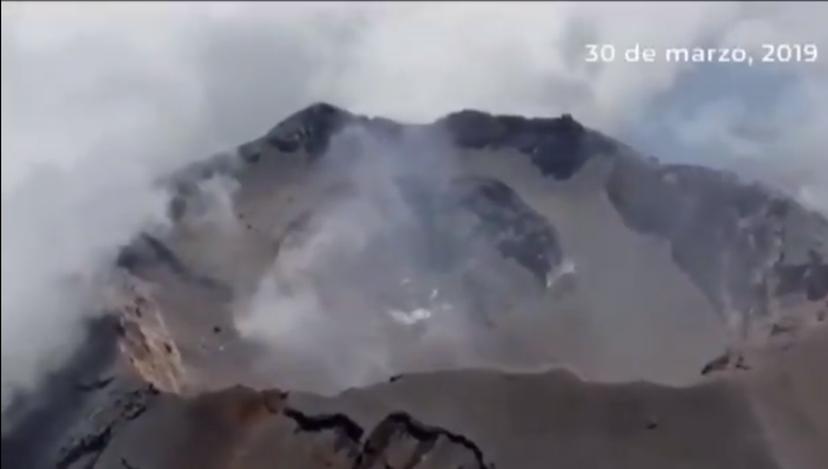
146	342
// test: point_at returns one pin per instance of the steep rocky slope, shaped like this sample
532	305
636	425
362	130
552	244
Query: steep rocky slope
413	286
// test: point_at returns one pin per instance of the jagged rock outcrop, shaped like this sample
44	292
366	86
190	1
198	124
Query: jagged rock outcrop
519	232
558	147
744	245
145	340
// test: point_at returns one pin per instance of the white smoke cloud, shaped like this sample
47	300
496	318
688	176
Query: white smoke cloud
60	229
332	302
100	100
213	210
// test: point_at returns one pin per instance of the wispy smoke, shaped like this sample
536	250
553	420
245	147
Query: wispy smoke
61	229
341	304
98	101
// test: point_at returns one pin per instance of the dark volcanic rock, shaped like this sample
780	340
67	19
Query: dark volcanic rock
558	147
503	220
348	430
516	229
400	441
736	240
148	251
310	129
812	277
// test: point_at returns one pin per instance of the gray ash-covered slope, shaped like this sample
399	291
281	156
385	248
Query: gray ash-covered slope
745	246
476	241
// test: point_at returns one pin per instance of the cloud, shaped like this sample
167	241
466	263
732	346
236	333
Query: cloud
99	101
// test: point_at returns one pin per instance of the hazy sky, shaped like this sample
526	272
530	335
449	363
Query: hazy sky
99	99
211	75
